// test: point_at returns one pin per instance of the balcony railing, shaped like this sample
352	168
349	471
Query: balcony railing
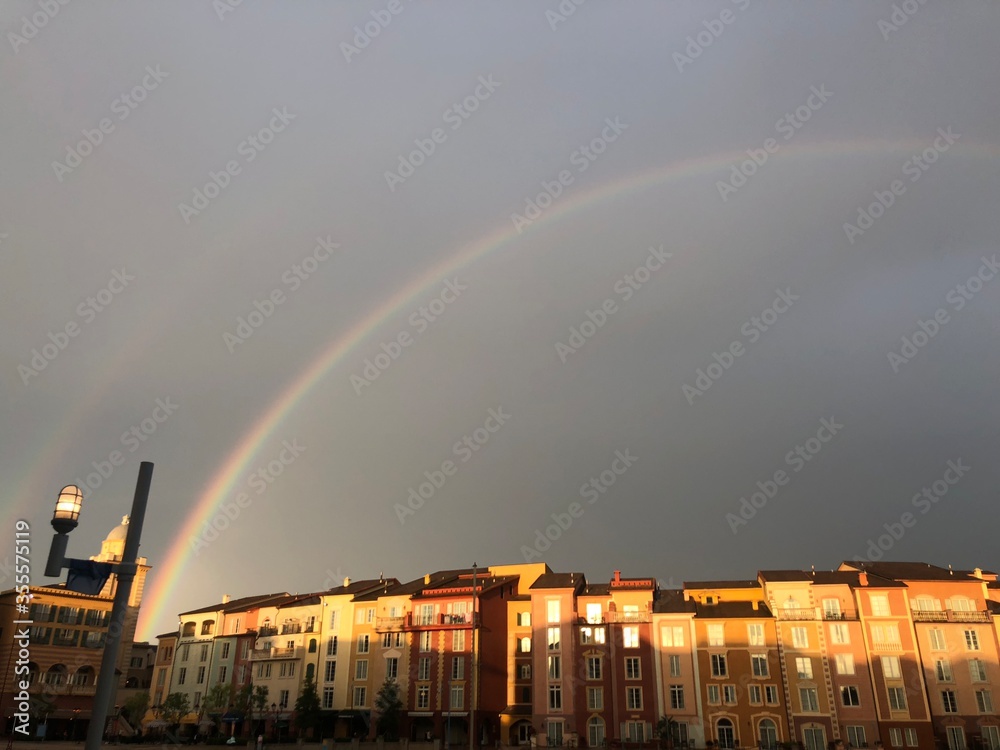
949	615
850	615
266	630
390	624
796	613
261	654
628	617
436	621
291	629
888	646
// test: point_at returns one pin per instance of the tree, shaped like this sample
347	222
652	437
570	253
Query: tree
135	708
389	707
258	705
242	700
307	707
665	731
216	701
175	707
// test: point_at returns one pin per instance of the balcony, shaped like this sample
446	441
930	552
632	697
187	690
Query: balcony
891	647
263	654
437	621
796	613
949	615
838	616
291	629
627	617
390	624
266	630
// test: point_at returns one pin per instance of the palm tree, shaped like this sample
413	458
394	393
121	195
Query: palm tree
665	731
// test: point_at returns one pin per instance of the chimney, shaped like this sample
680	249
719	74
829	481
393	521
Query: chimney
618	576
427	579
756	605
862	578
978	573
347	582
225	598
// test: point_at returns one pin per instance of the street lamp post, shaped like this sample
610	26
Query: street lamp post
64	520
277	728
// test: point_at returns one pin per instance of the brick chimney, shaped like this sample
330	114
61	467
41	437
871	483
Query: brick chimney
225	598
618	577
862	578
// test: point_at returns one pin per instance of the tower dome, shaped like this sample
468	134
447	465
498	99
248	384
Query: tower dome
113	546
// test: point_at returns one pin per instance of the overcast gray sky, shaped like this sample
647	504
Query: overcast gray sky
818	182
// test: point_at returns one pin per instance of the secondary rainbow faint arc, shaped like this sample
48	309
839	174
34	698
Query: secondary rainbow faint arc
223	482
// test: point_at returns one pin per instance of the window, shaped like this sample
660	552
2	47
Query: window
424	668
984	701
926	603
524	619
725	733
595	699
937	640
977	670
635	731
753	694
849	696
225	650
800	637
327	698
971	640
890	667
713	694
949	703
426	614
911	737
201	675
594	613
457	668
370	615
672	636
335	619
595	732
204	653
184	652
526	695
310	671
755	634
729	694
330	670
677	696
632	669
897	699
457	697
804	667
524	672
630	635
425	641
809	699
391	668
554	732
360	696
363	643
943	669
991	737
719	668
552	611
206	627
524	645
458	640
361	669
856	736
885	636
771	695
196	703
895	737
880	604
844	663
283	699
555	697
331	646
223	673
956	738
839	633
758	663
423	696
287	669
716	634
591	635
675	665
400	640
387	640
593	667
814	738
553	639
831	609
633	698
768	732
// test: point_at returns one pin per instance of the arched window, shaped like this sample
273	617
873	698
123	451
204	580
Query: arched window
725	733
56	675
32	673
924	603
595	732
310	671
312	645
206	627
962	604
768	734
524	645
188	631
85	676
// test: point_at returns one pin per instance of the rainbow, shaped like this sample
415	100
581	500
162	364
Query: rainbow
222	484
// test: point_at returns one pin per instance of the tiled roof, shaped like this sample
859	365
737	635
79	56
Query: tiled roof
722	584
559	581
731	610
235	605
